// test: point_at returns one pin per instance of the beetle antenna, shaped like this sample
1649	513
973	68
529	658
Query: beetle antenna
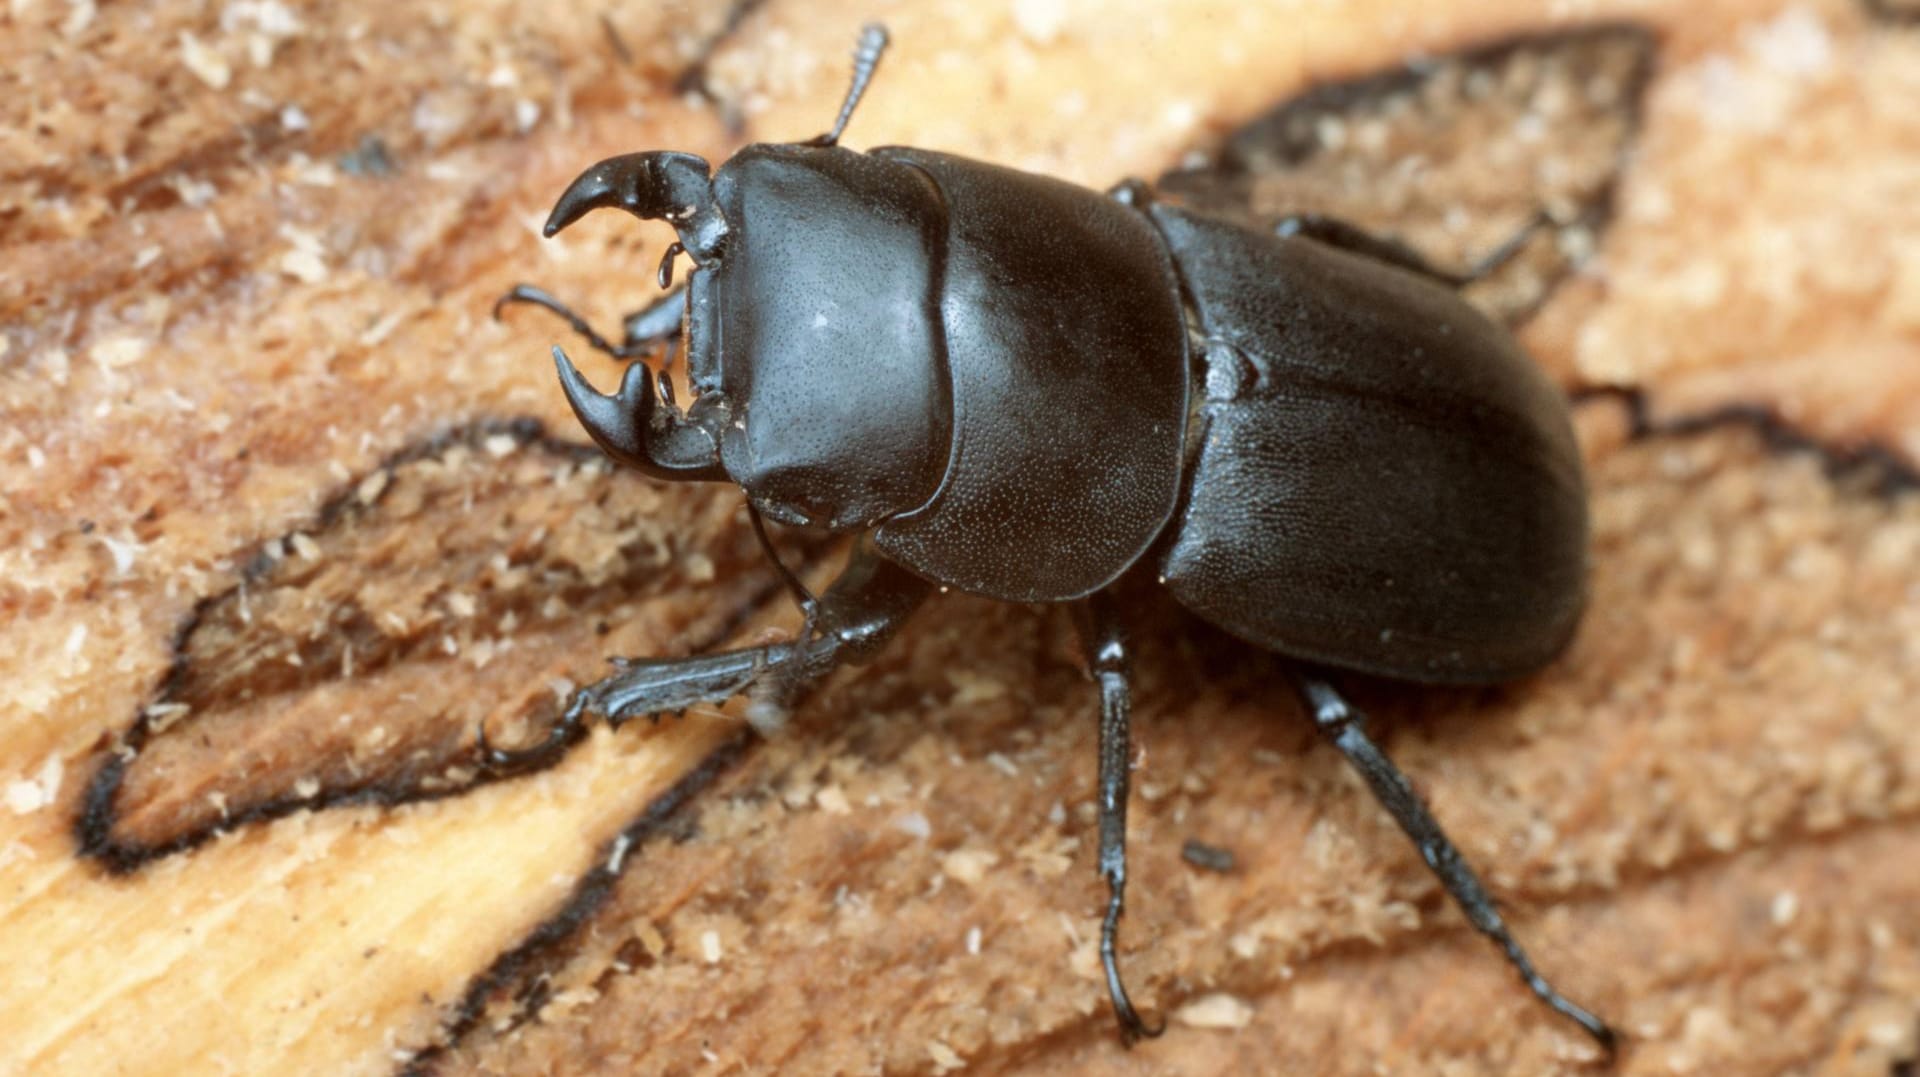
866	57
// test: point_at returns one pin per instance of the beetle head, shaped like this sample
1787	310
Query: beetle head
634	425
660	185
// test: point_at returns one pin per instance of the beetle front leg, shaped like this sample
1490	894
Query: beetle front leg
1341	724
644	330
852	621
1107	661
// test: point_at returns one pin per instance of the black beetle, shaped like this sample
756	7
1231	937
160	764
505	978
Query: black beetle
1013	386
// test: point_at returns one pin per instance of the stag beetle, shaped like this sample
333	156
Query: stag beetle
1010	385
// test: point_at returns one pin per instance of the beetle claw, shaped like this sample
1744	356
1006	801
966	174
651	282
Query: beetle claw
504	762
618	423
658	185
632	428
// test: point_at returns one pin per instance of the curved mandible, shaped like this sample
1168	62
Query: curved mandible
659	185
635	430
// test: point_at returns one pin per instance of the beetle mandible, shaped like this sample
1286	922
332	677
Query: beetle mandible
1010	385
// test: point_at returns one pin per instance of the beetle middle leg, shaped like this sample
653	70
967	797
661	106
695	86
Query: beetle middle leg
1354	239
643	331
1341	724
1107	660
1350	237
850	622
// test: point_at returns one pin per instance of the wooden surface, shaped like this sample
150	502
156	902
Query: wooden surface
280	525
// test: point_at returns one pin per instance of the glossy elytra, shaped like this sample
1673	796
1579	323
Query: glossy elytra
1013	386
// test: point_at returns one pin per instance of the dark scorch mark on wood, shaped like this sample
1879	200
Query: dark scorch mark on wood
1456	156
519	971
471	577
1894	11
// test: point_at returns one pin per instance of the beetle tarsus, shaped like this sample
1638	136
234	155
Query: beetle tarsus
1341	724
1105	644
1505	252
856	616
1354	239
1132	1027
502	762
527	293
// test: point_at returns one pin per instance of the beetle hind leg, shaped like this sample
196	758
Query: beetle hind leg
1341	724
1107	661
1354	239
643	331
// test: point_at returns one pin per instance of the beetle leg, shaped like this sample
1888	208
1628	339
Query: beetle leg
1341	724
645	329
855	617
803	598
656	323
1353	239
1107	661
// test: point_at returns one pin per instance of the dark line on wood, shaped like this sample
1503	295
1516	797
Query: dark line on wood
1345	94
1890	472
591	892
693	79
93	826
614	41
1229	158
1892	11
